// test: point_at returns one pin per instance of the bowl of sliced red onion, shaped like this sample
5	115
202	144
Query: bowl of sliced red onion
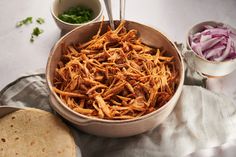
211	48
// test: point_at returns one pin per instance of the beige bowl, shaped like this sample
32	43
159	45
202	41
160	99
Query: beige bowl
114	128
202	65
59	6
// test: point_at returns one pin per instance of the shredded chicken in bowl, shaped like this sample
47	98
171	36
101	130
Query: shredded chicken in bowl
115	76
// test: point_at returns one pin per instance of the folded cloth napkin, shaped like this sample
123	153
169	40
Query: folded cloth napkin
201	119
223	85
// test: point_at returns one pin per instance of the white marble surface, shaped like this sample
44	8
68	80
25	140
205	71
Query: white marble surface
173	17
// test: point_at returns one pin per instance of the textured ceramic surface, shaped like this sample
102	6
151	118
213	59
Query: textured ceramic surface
114	128
206	67
59	6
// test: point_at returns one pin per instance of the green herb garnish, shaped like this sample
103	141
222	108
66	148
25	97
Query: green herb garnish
36	30
40	20
35	33
26	21
76	15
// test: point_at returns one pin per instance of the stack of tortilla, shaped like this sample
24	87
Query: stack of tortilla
35	133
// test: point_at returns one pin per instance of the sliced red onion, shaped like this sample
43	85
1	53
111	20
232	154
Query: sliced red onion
215	43
232	55
225	52
196	37
197	48
210	43
214	52
233	37
205	38
216	32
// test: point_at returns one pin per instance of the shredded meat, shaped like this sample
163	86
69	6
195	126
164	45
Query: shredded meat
115	76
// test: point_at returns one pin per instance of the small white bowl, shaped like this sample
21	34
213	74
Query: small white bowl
59	6
202	65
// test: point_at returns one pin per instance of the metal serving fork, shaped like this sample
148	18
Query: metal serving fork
109	11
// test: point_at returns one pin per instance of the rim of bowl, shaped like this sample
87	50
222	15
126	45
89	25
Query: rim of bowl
209	23
78	24
95	119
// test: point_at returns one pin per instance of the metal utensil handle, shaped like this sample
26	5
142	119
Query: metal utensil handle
122	9
109	13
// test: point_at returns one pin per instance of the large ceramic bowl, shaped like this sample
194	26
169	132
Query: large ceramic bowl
202	65
114	128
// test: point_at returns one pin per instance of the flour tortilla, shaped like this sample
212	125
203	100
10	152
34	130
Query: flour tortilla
35	133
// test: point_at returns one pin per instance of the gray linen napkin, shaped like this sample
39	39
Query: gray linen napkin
201	119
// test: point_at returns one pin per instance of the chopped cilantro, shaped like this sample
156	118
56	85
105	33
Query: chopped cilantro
35	33
40	20
76	15
26	21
